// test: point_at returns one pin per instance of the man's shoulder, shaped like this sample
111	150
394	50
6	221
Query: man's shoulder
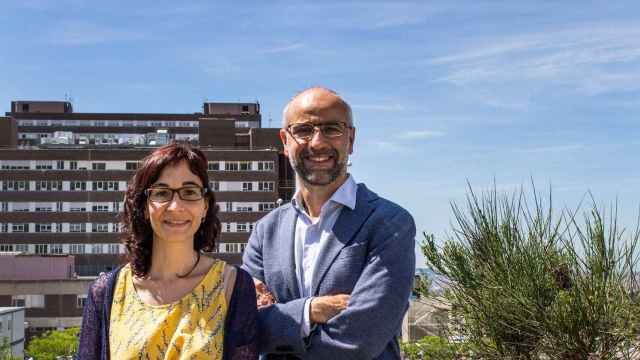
274	215
382	206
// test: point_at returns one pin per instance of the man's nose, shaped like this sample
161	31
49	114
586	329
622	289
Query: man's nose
317	138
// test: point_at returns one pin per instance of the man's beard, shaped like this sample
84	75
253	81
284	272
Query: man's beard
318	177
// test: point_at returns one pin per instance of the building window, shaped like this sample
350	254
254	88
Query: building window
60	165
214	185
100	227
266	206
56	248
265	165
227	227
43	227
73	165
42	248
265	186
113	248
4	227
228	206
247	186
6	247
99	166
20	207
96	249
22	248
77	208
105	186
213	166
244	209
231	166
245	165
100	208
5	206
132	165
44	165
28	301
14	185
78	186
78	227
76	249
43	207
80	301
17	228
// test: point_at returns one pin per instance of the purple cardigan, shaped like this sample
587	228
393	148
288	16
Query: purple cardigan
240	331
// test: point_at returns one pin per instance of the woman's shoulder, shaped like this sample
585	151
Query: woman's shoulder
101	286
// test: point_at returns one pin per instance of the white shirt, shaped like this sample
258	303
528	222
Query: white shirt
311	236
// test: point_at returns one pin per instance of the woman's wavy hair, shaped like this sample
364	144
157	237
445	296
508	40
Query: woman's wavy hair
137	234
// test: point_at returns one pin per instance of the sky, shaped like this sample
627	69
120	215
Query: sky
445	94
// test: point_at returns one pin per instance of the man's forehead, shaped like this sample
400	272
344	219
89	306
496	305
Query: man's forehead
315	104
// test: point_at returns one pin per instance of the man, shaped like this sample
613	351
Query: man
338	260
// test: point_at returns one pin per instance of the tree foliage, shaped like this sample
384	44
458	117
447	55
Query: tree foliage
54	343
526	284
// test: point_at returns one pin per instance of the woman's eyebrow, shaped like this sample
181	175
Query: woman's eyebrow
190	183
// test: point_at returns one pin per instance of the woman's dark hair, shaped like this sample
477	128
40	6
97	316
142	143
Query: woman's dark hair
137	234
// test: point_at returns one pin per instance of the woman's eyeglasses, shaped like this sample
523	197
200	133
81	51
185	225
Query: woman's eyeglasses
165	194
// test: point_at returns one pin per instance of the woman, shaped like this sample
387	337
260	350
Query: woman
170	301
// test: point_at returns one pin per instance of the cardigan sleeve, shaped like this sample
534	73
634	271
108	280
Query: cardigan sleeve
241	340
90	341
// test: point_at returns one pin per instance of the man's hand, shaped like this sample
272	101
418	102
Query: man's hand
264	297
323	308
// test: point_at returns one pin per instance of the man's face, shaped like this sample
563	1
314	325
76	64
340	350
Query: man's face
319	160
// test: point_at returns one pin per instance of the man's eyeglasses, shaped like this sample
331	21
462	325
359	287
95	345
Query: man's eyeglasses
305	131
164	194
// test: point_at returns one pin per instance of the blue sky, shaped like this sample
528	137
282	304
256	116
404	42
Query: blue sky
443	92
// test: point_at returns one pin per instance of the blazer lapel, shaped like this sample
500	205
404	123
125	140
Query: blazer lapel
286	254
345	228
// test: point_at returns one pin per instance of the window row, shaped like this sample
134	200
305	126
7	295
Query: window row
125	165
95	227
109	123
267	186
230	248
116	206
241	165
44	249
56	185
59	227
69	138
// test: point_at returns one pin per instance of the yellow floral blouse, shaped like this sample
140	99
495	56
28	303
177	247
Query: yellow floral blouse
191	328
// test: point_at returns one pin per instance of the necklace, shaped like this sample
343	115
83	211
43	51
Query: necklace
180	276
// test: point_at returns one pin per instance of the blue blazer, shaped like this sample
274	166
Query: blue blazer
371	256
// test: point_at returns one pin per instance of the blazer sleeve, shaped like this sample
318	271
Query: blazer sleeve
379	299
279	325
241	338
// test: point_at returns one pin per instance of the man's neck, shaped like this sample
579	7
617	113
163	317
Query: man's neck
314	197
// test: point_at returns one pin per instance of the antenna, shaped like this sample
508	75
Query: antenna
270	119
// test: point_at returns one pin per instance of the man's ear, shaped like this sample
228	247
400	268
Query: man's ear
352	139
283	138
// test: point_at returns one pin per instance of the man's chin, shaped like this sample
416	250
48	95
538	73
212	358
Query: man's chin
320	178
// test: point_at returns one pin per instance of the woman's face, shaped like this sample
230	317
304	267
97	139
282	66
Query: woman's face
176	220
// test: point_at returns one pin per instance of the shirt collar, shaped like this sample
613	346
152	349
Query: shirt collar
345	195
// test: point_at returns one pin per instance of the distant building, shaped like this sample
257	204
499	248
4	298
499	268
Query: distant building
12	329
45	288
63	175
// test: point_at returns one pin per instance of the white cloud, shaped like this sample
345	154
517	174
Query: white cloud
420	134
283	48
79	33
581	58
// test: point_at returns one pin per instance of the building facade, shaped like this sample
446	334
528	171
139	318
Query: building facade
63	175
